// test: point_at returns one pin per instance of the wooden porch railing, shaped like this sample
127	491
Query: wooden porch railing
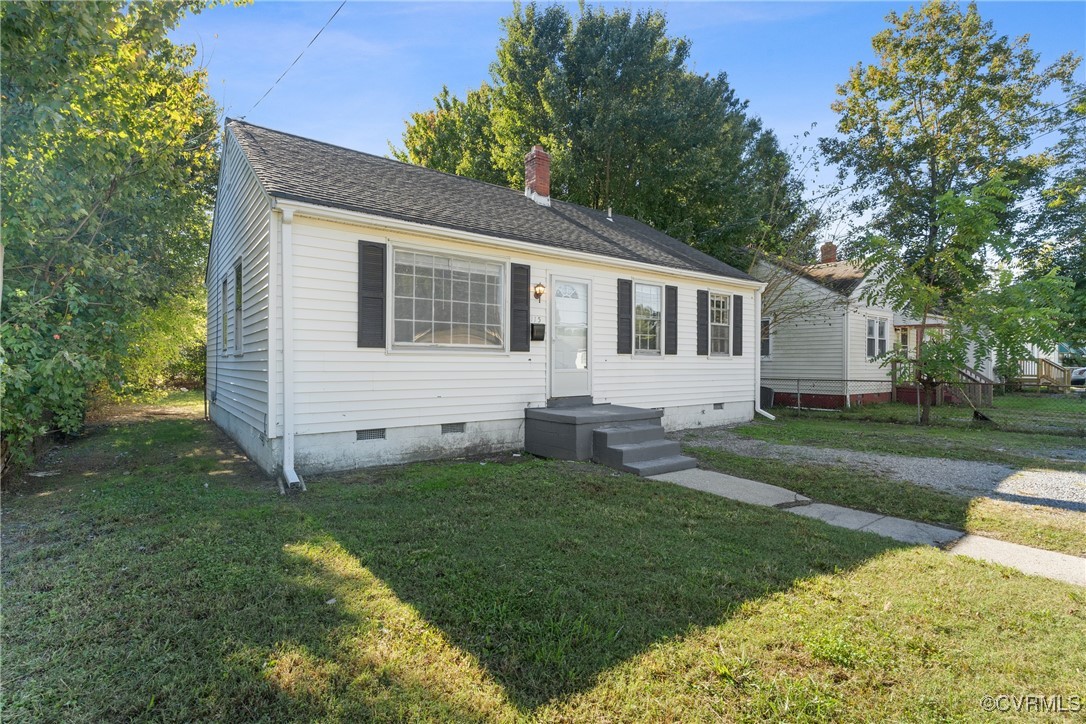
1041	372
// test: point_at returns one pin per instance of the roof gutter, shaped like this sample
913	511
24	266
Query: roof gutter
327	213
758	356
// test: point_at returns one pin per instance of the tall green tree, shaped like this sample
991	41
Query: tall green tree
109	158
937	136
628	126
947	105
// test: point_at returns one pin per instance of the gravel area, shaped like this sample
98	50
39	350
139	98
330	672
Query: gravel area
1053	488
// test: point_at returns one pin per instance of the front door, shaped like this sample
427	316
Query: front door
570	374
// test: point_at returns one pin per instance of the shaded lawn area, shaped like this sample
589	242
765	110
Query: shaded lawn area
161	576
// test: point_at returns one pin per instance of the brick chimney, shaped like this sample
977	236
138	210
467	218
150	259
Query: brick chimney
829	252
537	176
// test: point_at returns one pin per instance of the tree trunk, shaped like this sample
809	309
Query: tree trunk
925	410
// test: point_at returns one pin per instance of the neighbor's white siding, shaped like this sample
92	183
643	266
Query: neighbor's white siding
808	346
340	388
860	366
237	382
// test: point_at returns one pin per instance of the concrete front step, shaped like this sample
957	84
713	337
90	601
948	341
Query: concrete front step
660	466
627	434
616	456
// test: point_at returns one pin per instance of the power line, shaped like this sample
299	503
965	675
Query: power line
312	40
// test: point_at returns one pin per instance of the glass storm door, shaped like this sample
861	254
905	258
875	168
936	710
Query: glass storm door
570	376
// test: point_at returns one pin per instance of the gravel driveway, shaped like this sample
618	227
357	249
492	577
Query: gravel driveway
1053	488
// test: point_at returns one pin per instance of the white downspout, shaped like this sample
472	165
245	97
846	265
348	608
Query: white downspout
290	477
758	355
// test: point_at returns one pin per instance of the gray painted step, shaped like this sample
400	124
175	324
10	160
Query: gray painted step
627	434
660	466
617	456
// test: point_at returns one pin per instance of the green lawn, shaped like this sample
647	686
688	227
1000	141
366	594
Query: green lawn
159	576
1056	530
1016	449
1052	414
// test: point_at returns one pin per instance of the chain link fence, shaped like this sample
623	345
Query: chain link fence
1053	410
819	394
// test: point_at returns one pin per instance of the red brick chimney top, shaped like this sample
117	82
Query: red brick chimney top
829	252
537	174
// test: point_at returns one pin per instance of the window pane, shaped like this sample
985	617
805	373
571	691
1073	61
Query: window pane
444	300
719	324
648	308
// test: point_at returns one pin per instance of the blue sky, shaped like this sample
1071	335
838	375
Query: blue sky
377	62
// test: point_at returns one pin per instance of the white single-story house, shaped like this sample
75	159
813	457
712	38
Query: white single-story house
363	311
822	339
819	337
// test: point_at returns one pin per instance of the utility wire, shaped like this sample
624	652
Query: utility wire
313	40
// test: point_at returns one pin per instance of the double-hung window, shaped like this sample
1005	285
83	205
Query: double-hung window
448	301
648	311
720	336
876	337
237	308
224	316
767	346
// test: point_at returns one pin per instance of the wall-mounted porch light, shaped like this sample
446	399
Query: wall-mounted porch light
538	291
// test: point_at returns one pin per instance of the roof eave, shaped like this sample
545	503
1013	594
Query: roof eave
332	213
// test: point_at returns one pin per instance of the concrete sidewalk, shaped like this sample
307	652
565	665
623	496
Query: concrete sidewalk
1058	566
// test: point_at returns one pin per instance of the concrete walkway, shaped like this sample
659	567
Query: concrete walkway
1059	566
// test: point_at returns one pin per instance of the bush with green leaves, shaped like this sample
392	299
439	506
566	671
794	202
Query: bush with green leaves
109	153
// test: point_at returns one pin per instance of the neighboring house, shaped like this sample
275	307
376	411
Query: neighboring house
363	311
820	339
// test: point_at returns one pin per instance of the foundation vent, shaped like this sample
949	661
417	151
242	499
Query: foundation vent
452	428
718	405
377	433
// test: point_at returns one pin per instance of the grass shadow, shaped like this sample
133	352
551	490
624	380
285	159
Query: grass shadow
550	573
161	576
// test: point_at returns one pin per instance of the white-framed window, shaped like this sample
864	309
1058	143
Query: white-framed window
766	337
720	324
876	337
444	300
648	313
903	340
238	326
224	316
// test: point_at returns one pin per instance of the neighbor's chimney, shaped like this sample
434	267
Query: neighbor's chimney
829	252
537	176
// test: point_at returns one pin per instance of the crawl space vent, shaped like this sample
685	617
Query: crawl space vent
377	433
718	405
450	428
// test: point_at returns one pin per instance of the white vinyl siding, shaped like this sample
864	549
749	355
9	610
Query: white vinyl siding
242	230
720	335
810	344
648	315
341	387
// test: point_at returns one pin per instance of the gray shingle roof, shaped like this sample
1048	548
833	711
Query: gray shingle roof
300	169
840	276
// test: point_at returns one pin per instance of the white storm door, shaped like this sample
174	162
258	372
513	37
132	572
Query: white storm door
570	373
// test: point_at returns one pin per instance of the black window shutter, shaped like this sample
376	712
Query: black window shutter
703	322
371	294
737	325
520	328
671	320
625	316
